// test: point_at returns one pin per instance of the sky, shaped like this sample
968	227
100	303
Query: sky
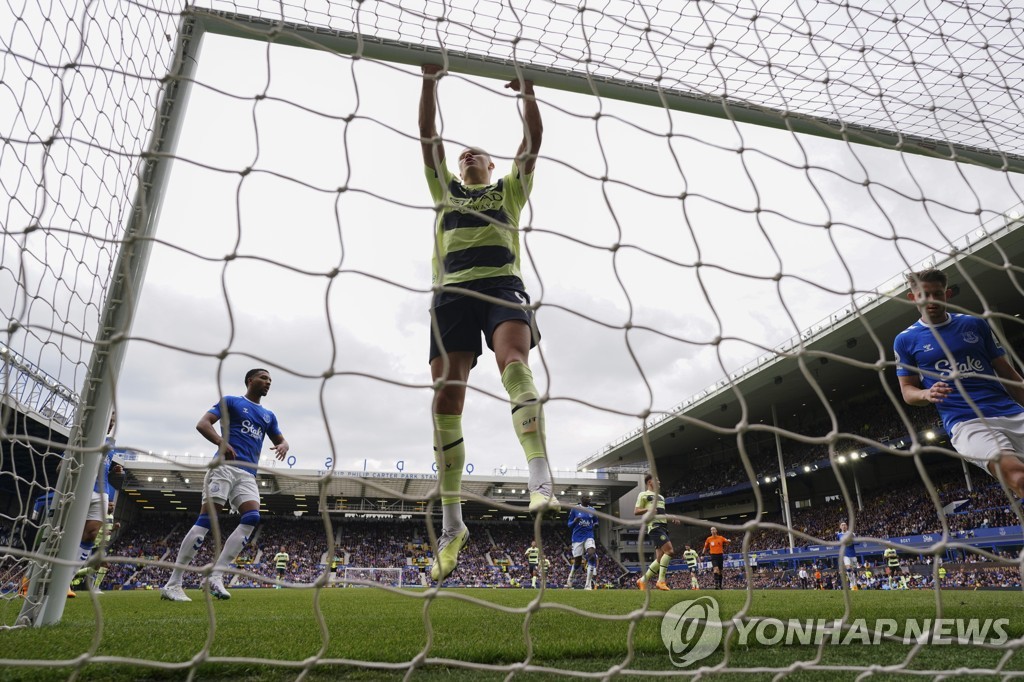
316	263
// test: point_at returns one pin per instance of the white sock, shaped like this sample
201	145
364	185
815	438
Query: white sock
572	569
540	475
189	546
451	518
232	546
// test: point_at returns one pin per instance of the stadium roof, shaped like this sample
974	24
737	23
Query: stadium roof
840	355
177	485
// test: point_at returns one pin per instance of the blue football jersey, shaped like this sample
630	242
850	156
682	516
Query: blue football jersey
102	482
849	549
972	348
582	525
248	424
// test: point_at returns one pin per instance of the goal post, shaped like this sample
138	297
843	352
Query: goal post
372	576
58	551
650	92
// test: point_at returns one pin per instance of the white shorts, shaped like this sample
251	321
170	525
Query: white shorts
849	561
980	441
232	484
578	548
97	507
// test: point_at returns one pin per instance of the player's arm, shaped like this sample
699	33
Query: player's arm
533	128
433	148
206	429
915	394
1005	370
280	447
705	549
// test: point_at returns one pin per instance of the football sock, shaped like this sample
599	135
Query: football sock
663	567
189	546
233	545
450	461
527	416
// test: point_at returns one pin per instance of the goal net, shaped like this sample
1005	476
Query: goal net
356	576
194	189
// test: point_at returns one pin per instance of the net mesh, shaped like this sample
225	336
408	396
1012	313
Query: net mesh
266	137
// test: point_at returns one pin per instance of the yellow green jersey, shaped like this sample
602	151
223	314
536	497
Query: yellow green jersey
691	557
477	231
281	561
891	558
648	499
533	555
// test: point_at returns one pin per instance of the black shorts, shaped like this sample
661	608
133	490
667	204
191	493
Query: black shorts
717	561
659	536
460	322
534	569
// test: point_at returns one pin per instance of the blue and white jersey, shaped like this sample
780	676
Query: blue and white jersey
848	550
42	505
972	348
582	524
102	482
248	423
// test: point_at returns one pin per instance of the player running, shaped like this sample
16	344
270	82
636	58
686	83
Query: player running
692	560
657	531
583	523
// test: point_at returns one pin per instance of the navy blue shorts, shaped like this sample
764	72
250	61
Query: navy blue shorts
659	536
461	321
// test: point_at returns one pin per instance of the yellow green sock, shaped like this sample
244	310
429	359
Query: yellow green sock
451	457
527	416
663	567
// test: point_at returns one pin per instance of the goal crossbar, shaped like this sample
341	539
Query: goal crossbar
293	34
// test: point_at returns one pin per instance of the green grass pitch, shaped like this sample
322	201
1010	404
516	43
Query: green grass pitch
371	634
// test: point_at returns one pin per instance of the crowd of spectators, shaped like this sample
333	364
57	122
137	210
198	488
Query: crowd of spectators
495	557
726	468
895	511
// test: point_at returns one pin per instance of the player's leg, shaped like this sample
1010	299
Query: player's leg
245	497
215	485
1009	469
651	571
591	565
663	561
994	445
93	524
509	332
454	348
577	560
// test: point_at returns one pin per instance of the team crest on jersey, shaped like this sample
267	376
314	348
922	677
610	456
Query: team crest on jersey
927	347
971	337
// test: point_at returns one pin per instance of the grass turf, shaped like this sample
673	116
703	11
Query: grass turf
377	635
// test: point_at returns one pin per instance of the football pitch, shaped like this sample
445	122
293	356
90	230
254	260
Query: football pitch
373	634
